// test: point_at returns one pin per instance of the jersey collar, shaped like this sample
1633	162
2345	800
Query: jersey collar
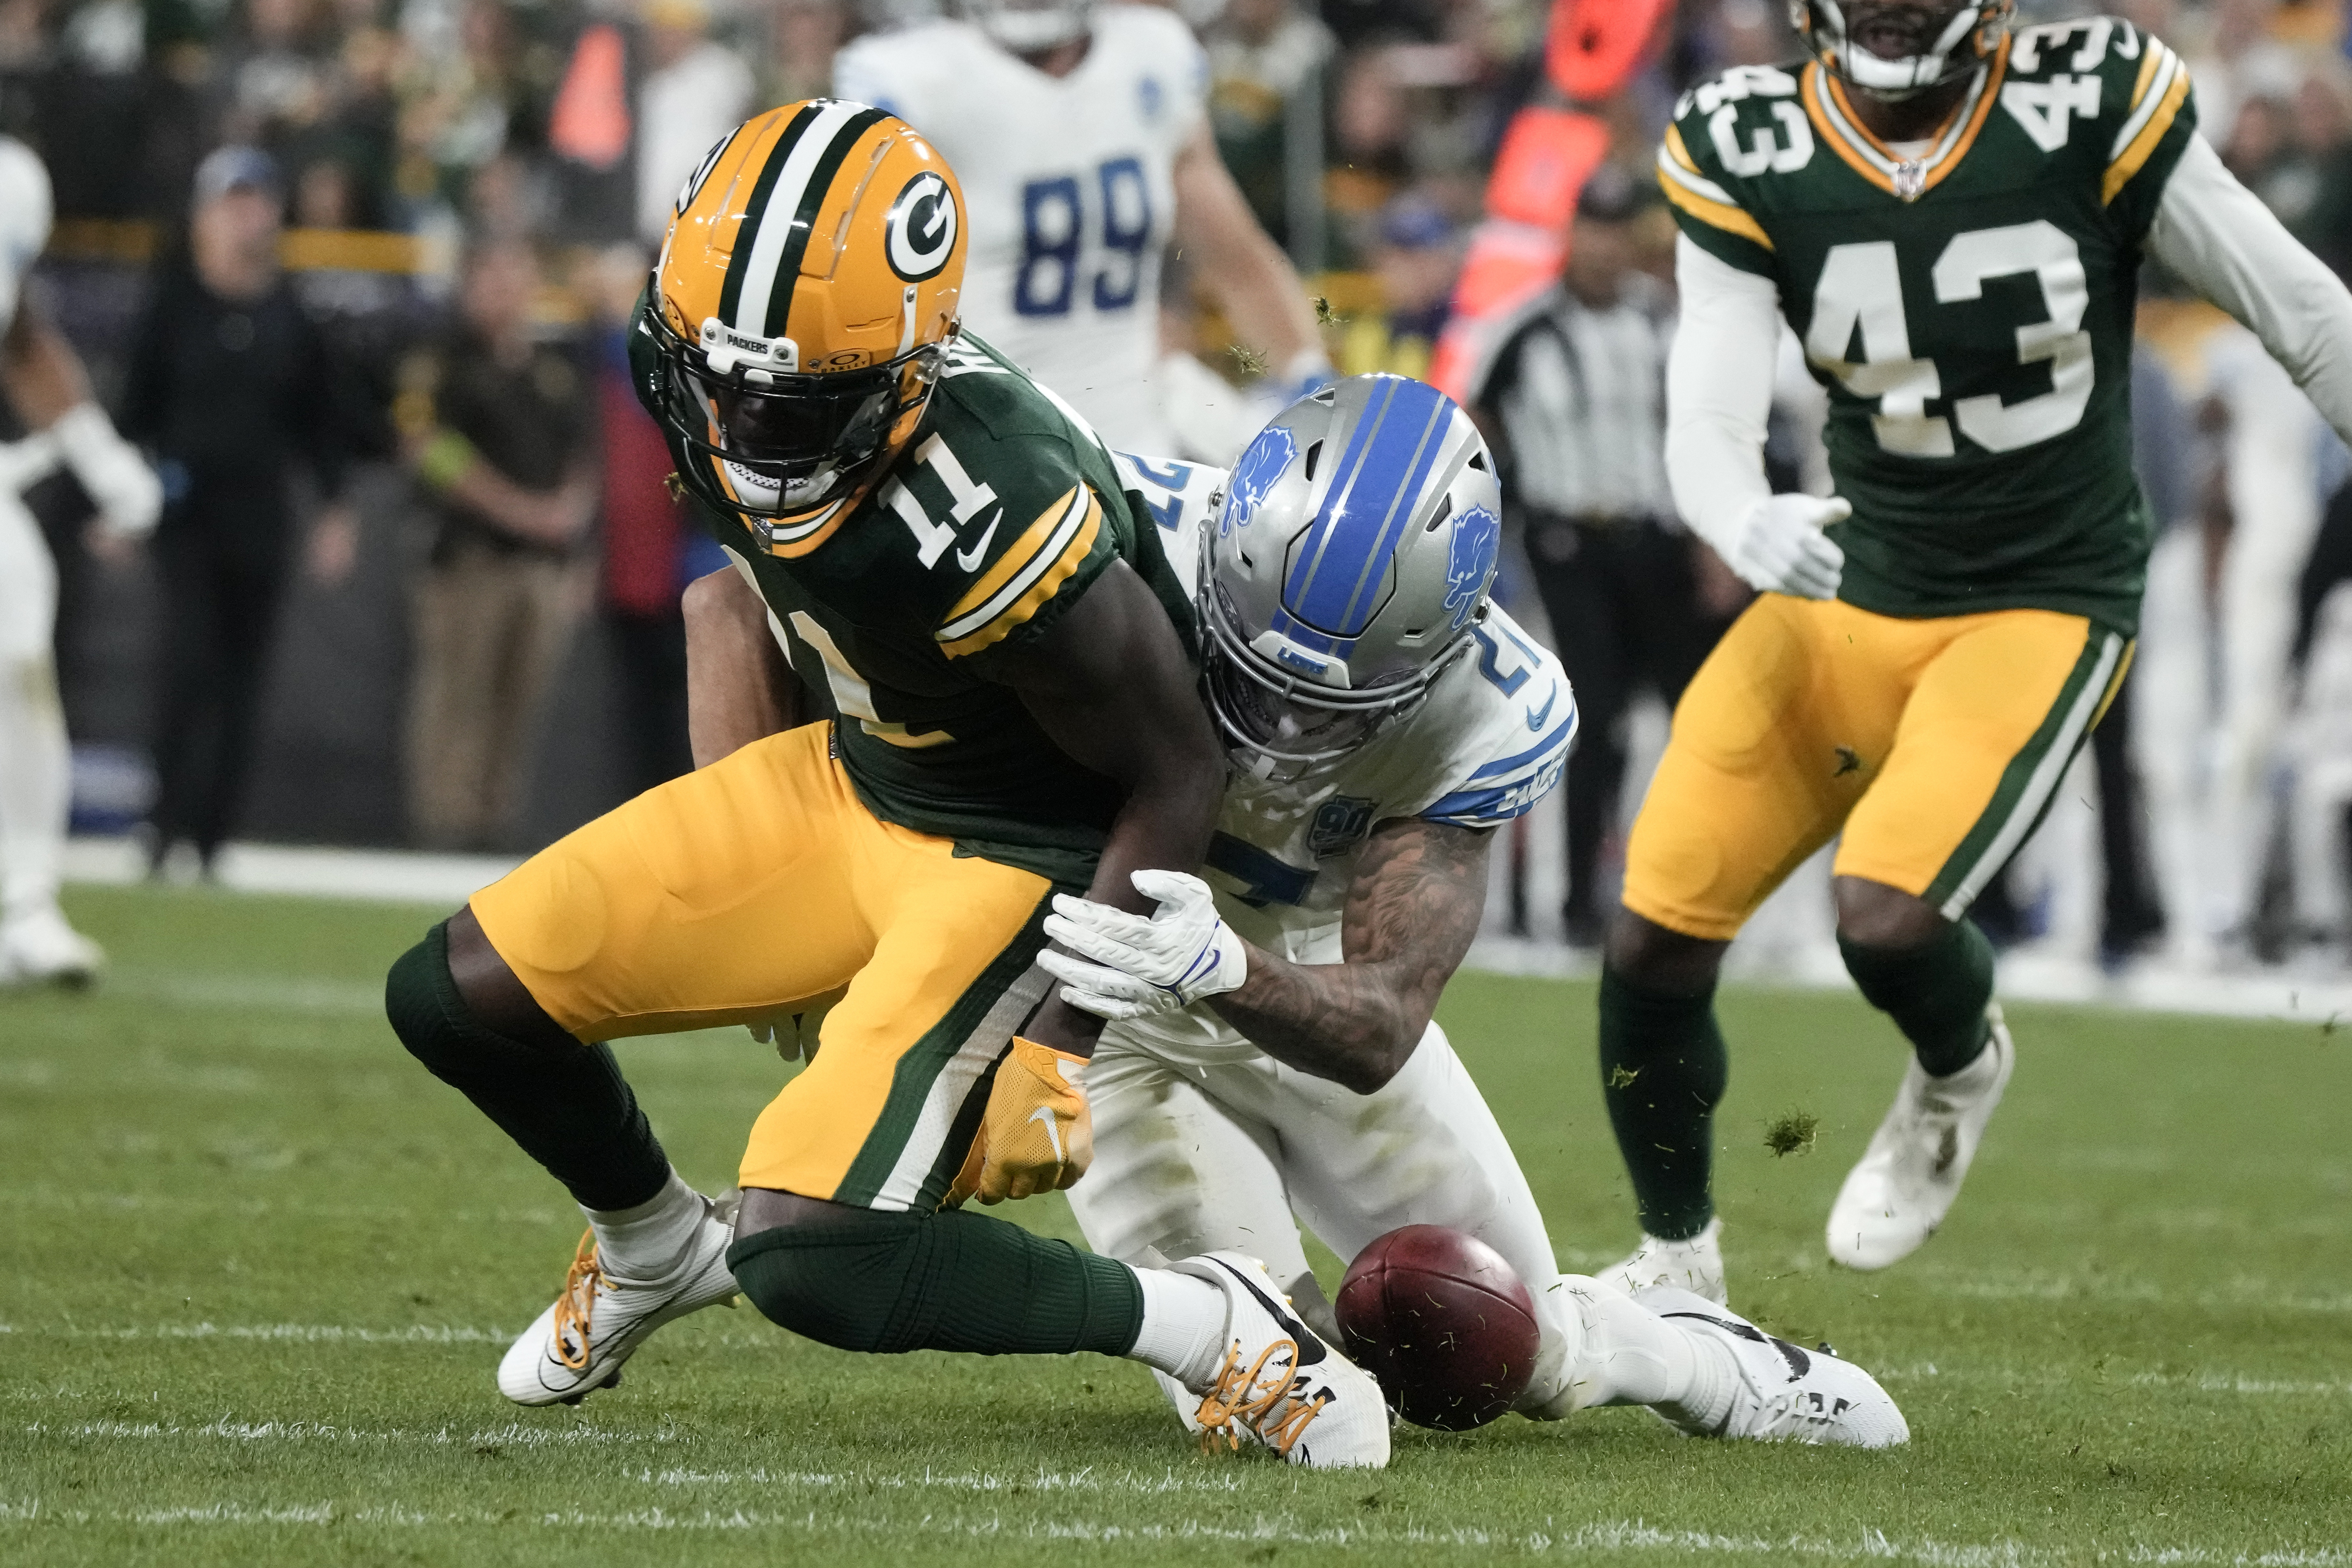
1832	115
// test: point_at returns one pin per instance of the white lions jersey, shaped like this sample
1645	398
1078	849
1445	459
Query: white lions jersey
1489	741
24	215
1070	187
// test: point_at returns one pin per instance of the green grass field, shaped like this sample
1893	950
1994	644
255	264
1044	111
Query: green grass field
260	1268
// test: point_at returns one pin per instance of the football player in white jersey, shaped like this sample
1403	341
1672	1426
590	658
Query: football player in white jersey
1270	1049
1081	133
44	382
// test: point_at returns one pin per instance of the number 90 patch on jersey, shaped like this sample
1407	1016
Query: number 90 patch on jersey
921	232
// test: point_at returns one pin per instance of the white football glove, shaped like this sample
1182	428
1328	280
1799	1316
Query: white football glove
129	495
1778	545
1183	953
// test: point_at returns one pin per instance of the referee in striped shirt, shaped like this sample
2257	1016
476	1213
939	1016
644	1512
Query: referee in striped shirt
1574	395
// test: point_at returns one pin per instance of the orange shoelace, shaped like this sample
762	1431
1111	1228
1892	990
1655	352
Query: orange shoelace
1242	1397
574	1307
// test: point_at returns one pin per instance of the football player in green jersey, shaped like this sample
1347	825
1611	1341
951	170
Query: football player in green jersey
1950	215
951	563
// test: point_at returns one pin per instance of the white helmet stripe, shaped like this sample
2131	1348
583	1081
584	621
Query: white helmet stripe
776	220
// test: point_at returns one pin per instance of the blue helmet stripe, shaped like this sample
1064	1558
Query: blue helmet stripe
1335	581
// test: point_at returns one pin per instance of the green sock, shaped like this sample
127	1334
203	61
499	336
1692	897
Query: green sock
1662	1069
1935	993
869	1280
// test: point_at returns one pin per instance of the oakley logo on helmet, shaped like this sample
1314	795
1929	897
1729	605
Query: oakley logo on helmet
921	228
1253	479
1470	562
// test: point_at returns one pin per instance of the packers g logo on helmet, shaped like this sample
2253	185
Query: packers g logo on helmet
801	312
922	228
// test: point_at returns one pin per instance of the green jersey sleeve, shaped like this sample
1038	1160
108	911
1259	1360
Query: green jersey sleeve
2147	113
1017	512
1725	132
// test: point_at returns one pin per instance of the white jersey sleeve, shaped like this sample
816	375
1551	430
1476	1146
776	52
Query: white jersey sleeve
26	215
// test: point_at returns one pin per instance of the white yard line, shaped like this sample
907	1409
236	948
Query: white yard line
2022	977
374	876
1616	1536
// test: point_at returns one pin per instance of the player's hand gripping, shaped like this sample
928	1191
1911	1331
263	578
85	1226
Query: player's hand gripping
1038	1134
1170	961
1779	546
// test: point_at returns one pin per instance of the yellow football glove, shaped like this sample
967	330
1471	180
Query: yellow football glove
1038	1134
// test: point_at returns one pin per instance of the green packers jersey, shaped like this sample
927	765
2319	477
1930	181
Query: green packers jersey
1969	308
897	611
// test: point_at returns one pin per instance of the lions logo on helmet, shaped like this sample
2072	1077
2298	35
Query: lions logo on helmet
1373	525
800	313
1252	478
1930	45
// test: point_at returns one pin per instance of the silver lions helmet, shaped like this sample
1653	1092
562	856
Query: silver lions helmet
1352	554
1029	26
1891	49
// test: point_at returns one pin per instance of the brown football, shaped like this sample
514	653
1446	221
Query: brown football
1443	1323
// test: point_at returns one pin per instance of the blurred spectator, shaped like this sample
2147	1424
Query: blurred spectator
651	550
1369	125
1265	63
498	427
694	92
1576	391
803	37
230	386
1416	256
2323	127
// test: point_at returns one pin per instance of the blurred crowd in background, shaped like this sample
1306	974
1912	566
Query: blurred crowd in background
452	202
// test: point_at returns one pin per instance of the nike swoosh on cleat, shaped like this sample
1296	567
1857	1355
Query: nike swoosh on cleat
968	560
1310	1348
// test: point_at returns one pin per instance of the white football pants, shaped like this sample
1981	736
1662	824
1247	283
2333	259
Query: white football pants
35	762
1192	1159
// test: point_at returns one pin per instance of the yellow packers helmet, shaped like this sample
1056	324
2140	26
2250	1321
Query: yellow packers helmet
802	310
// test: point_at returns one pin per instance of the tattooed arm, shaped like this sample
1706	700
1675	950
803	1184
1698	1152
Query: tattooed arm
1411	914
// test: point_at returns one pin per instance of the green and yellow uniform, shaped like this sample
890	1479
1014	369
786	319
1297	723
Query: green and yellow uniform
904	849
1968	305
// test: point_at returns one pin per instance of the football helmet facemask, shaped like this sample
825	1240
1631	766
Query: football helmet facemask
801	312
1895	49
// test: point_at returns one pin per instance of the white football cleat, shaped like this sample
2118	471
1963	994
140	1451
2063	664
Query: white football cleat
1785	1394
1904	1186
39	948
1694	1264
1280	1383
579	1343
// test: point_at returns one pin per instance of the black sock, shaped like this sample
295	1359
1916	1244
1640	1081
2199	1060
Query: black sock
567	1105
887	1281
1935	993
1662	1069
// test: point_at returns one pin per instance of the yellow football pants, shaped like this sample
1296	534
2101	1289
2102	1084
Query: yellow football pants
760	882
1935	744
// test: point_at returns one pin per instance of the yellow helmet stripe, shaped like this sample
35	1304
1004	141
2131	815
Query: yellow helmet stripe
781	217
